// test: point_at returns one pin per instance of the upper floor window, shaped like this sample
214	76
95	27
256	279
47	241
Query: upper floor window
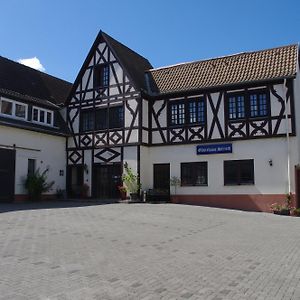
13	109
249	104
42	116
104	118
116	117
87	118
101	76
258	105
177	113
187	112
196	112
236	107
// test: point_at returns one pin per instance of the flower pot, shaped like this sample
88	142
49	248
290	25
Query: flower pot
282	212
134	196
123	195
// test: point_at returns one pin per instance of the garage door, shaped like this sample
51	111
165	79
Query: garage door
7	174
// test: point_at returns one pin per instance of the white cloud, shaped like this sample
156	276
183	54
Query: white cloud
33	62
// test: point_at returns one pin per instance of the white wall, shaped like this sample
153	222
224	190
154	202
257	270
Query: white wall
47	150
145	168
130	155
268	179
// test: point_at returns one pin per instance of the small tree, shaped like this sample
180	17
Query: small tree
36	184
175	181
131	180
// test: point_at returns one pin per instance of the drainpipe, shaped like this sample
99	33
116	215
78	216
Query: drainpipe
287	141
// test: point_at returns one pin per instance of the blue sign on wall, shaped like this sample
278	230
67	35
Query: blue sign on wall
214	149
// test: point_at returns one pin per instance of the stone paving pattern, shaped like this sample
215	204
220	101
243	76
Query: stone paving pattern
144	251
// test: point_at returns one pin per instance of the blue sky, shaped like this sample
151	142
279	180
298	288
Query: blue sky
60	32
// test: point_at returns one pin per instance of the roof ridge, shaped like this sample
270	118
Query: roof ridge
220	57
11	92
32	69
134	52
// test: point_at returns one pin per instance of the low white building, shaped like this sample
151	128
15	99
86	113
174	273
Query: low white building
32	129
226	127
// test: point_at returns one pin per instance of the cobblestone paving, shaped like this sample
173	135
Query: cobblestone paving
144	251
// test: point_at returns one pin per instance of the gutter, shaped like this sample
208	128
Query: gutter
156	96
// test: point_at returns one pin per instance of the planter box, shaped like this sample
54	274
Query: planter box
283	212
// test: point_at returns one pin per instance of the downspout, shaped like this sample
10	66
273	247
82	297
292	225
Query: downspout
287	141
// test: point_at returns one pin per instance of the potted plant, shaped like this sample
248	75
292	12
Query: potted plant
131	181
175	182
296	212
60	194
36	184
123	192
283	209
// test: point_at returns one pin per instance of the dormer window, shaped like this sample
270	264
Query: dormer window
42	116
13	109
101	76
7	107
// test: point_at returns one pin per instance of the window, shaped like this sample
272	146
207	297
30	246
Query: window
6	107
49	118
104	118
238	172
116	117
236	107
31	167
196	112
194	174
20	111
87	120
250	104
258	105
177	114
13	109
187	112
42	116
101	76
35	116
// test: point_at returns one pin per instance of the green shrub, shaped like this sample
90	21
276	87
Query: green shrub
36	184
131	180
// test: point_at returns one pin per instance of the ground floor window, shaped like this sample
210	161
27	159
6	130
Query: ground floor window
194	174
31	166
238	172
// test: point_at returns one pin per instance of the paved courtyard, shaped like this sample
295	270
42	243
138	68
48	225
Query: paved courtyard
144	251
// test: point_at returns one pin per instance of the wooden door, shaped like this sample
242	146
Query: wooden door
161	177
7	174
106	179
74	181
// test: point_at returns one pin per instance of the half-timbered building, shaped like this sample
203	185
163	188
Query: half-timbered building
105	116
226	127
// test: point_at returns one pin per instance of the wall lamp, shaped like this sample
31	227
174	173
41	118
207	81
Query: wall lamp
270	162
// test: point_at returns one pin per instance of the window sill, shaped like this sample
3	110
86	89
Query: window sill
238	184
191	185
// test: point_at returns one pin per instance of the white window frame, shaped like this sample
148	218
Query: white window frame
39	109
13	114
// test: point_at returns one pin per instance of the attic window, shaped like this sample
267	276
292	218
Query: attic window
101	76
42	116
14	109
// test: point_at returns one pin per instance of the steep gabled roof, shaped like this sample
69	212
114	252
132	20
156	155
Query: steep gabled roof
28	84
134	64
275	63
